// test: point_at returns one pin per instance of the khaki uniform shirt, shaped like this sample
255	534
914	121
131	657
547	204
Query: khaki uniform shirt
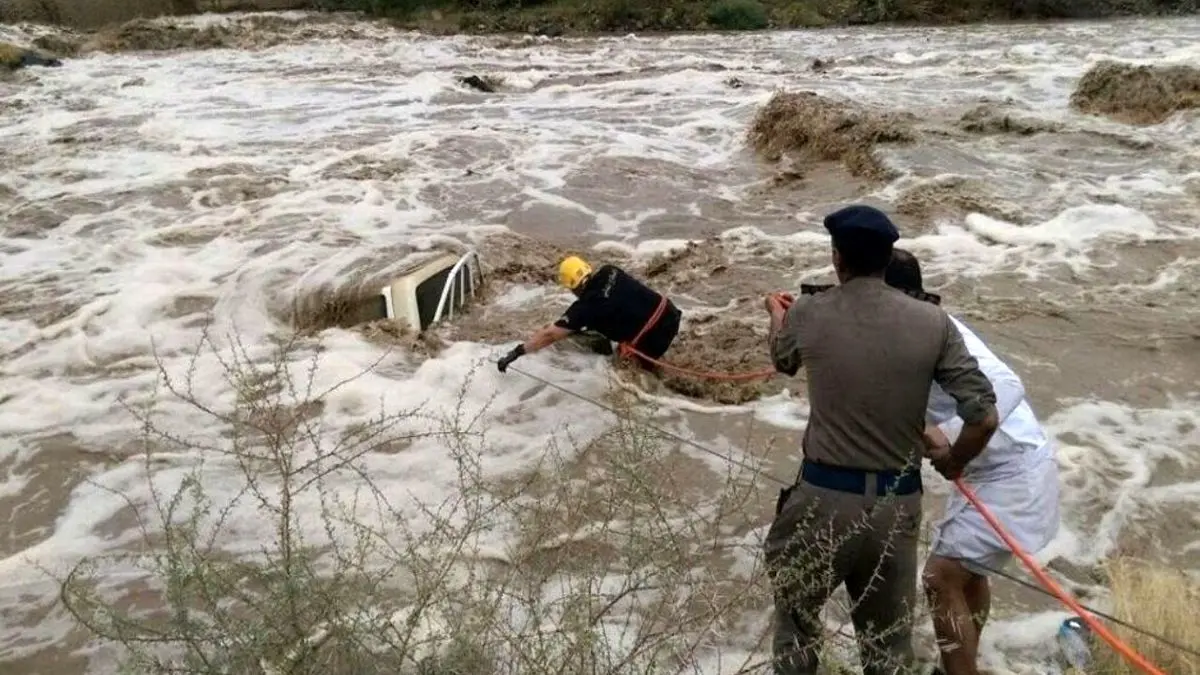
871	354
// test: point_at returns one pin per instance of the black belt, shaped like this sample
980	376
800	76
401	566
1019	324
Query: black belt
842	479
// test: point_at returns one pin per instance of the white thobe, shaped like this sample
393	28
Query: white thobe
1015	477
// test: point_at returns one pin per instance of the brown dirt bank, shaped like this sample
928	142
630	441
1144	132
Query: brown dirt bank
807	128
1137	94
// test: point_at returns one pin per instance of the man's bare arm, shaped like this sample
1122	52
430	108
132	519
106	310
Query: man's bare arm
544	337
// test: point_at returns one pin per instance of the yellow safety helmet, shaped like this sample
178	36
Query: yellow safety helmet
573	271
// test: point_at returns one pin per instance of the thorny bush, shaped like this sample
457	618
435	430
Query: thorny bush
612	563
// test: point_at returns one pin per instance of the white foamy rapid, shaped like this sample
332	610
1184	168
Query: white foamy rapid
142	190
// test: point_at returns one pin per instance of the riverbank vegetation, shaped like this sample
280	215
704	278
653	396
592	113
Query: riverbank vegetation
1159	600
573	16
555	17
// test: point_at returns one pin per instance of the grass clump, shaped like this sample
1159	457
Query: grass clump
738	15
1159	600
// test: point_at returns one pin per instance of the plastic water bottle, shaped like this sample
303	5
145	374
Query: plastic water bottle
1074	642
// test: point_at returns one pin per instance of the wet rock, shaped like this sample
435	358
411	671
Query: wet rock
818	129
488	85
993	119
734	83
1137	94
14	57
820	65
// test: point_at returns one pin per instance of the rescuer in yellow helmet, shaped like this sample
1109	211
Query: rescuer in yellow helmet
613	304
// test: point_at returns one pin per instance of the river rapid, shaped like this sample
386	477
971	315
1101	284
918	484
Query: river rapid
145	193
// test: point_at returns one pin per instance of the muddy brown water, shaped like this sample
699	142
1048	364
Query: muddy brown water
288	173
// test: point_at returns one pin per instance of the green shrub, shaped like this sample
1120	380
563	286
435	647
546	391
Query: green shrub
393	8
806	15
618	15
499	5
738	15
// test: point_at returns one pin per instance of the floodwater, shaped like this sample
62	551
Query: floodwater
145	194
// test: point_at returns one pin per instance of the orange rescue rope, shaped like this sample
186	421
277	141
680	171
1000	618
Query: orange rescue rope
1051	586
1127	652
629	349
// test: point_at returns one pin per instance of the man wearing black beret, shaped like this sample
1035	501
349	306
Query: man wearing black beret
871	354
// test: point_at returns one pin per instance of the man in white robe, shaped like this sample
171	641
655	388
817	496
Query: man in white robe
1015	477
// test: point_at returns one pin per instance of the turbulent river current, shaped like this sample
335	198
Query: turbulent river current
149	194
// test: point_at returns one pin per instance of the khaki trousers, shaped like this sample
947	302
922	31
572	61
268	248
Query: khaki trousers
823	538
